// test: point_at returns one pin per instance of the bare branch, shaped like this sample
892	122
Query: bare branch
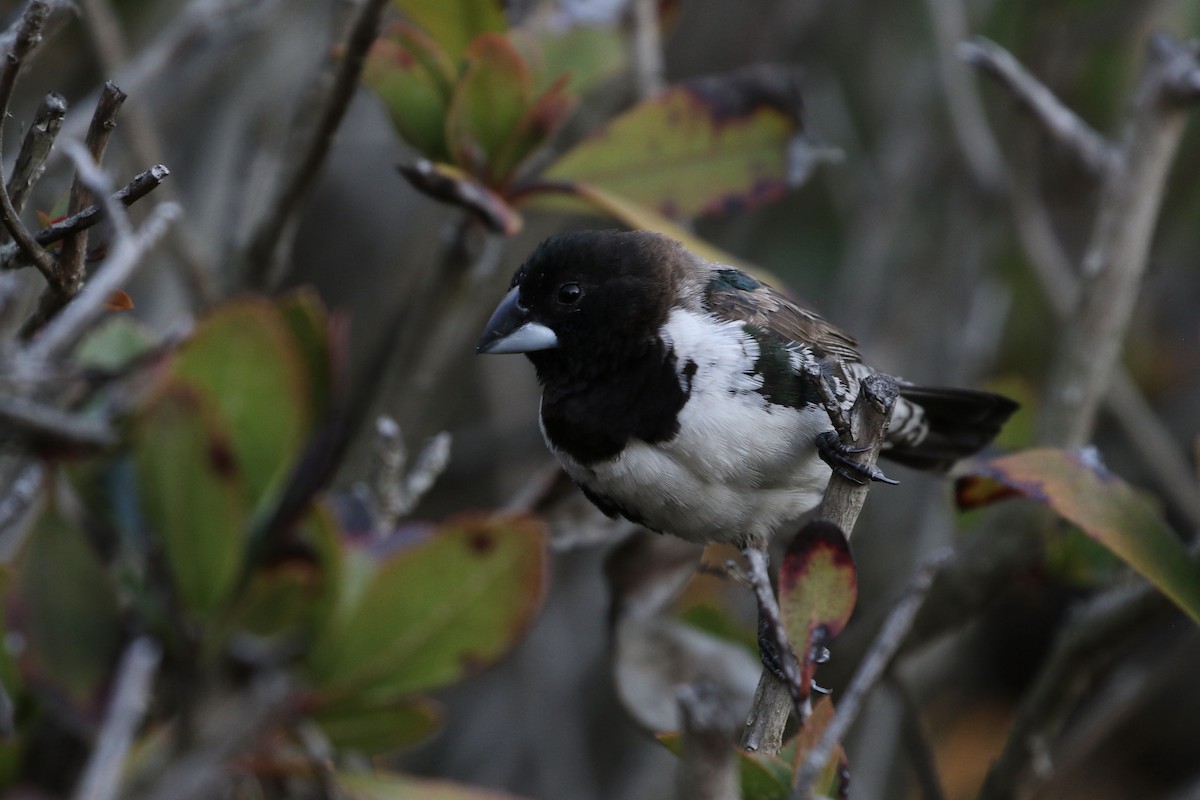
261	255
74	246
35	148
841	505
1061	122
1117	254
28	34
64	330
135	679
30	419
142	184
874	664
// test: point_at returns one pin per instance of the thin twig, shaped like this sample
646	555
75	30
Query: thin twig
871	669
142	184
135	679
1078	655
841	504
1096	153
74	246
27	37
262	252
35	148
23	418
65	329
916	740
648	49
1117	255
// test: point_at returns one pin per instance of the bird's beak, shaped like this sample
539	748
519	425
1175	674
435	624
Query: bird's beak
511	331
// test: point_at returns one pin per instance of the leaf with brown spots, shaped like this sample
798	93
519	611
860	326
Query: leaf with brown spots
193	496
445	606
1080	489
708	146
818	587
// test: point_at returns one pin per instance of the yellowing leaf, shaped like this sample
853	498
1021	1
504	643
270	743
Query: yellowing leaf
1081	490
393	786
704	147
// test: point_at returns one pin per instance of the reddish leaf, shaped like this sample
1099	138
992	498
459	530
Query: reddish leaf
1082	490
456	23
489	101
541	121
818	587
119	301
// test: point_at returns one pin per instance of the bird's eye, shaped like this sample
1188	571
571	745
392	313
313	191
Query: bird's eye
569	294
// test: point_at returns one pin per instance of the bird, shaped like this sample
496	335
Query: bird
686	395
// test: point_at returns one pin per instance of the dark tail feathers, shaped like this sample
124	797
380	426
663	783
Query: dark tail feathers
961	423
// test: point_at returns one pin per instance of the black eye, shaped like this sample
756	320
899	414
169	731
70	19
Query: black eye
569	294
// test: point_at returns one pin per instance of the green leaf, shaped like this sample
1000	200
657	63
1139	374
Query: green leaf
818	588
378	726
245	363
66	605
392	786
1081	490
489	102
704	147
309	324
456	23
414	78
434	612
193	496
584	55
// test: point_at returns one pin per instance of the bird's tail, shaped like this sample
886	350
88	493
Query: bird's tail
933	427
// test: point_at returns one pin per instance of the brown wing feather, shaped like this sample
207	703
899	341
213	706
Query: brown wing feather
734	295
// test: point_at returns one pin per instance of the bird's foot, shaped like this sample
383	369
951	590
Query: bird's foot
837	454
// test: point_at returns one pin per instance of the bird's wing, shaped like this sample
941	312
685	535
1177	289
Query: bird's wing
733	295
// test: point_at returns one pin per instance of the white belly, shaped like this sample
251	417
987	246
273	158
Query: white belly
738	468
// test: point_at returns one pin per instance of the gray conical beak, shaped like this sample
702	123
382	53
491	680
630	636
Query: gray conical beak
511	331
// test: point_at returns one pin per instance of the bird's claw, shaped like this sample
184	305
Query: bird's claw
837	454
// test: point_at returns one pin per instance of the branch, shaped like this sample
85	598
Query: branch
648	52
708	768
50	424
35	148
74	246
29	33
874	664
1118	252
142	184
1060	122
135	679
64	330
1078	655
841	505
262	251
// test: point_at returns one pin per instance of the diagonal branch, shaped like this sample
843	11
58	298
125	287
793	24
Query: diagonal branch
1061	122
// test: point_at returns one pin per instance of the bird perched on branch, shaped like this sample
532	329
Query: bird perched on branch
695	400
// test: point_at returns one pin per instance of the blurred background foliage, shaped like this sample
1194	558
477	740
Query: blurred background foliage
303	635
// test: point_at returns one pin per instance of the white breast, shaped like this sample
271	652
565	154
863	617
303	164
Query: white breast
739	466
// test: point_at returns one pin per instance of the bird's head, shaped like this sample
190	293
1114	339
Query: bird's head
583	289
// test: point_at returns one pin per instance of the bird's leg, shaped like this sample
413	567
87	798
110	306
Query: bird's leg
775	650
837	454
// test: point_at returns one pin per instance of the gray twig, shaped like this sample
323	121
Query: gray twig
142	184
74	246
135	679
872	668
1118	252
50	424
708	768
647	43
843	500
27	37
1096	153
35	148
262	253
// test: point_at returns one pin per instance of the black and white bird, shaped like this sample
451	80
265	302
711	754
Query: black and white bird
679	393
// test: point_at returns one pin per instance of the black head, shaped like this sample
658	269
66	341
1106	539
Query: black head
592	291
